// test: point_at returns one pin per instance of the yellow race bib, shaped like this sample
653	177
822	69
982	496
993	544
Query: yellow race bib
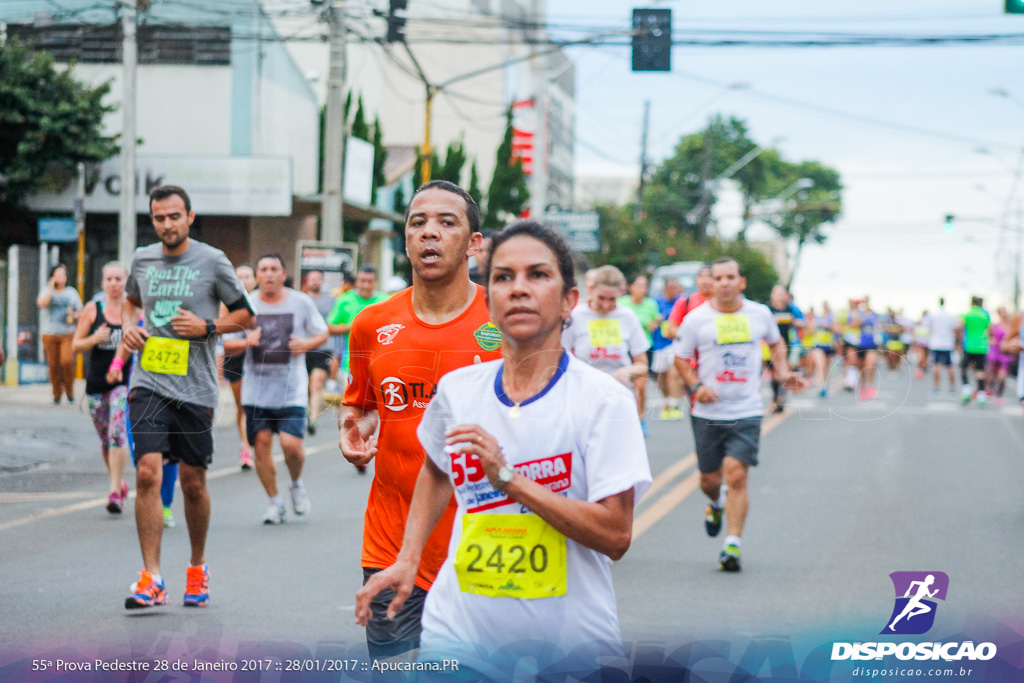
165	356
510	556
605	332
732	328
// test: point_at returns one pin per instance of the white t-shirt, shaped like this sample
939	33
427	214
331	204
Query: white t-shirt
581	438
942	327
606	342
273	376
729	345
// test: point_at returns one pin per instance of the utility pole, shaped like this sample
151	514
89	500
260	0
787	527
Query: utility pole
334	129
638	208
127	224
79	212
705	189
541	143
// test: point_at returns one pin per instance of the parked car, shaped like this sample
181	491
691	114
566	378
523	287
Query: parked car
684	271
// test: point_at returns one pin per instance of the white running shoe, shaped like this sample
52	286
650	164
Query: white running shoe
300	499
274	515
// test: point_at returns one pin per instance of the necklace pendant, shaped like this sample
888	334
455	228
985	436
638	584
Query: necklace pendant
514	412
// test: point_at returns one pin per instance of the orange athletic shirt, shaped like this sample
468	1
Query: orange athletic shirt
395	363
684	305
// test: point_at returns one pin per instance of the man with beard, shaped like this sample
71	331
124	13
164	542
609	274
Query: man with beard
178	284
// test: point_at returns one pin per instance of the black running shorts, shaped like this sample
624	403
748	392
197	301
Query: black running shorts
389	637
318	360
182	432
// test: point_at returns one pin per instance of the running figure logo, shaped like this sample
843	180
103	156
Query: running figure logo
916	592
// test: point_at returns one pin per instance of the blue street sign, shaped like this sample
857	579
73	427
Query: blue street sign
57	230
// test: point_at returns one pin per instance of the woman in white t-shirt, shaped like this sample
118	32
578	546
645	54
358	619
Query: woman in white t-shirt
610	337
546	458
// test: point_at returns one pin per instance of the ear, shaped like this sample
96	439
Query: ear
475	240
569	302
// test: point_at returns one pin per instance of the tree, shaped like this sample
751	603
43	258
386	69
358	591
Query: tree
454	160
49	122
804	219
474	185
679	194
507	194
380	155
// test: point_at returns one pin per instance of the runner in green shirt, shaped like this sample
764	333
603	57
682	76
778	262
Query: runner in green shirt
975	331
348	306
645	308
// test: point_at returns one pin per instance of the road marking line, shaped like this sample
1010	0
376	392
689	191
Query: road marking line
668	502
667	475
40	496
97	502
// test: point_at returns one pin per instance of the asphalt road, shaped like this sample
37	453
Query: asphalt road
846	493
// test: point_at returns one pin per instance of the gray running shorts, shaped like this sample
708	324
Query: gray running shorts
740	439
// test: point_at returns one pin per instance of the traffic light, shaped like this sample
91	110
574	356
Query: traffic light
652	39
1015	6
396	22
948	227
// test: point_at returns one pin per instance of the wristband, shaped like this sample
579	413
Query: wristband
694	388
116	364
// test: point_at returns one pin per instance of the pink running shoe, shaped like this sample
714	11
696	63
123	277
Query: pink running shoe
245	458
115	504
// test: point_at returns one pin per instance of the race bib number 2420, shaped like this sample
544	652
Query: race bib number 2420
513	556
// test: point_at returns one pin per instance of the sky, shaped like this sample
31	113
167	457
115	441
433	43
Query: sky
913	131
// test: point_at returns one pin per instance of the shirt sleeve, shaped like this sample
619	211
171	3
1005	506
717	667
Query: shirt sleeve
359	392
76	301
131	285
433	425
315	323
228	288
614	450
678	311
637	337
334	317
772	335
686	339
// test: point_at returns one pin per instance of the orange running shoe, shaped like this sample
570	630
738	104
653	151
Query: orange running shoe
197	586
146	592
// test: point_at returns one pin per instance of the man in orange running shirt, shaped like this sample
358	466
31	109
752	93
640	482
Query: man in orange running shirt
399	350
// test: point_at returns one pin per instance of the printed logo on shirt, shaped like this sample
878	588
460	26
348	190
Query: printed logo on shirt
488	337
163	311
396	392
553	472
734	369
387	334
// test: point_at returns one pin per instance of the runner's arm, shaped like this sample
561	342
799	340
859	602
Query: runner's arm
132	336
1012	341
605	525
357	427
429	501
82	340
781	370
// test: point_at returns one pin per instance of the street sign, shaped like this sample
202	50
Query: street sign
579	228
57	230
331	259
